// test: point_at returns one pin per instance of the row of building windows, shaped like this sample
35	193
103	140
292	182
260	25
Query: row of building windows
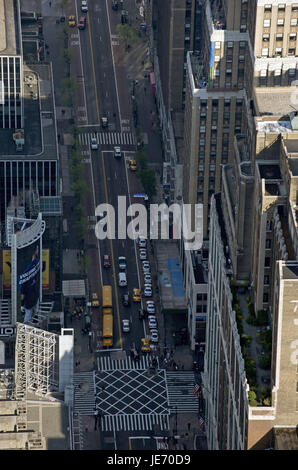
280	7
280	22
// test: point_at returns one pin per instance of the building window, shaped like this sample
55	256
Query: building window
266	23
267	262
265	51
217	45
266	37
281	7
230	44
291	51
294	22
280	21
267	7
265	298
279	37
295	7
268	243
266	280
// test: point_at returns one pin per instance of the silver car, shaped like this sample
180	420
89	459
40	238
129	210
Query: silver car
143	254
147	278
152	322
150	306
125	326
94	144
154	336
84	6
142	242
147	291
146	266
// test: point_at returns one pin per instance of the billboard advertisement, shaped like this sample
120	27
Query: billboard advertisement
28	279
45	269
6	269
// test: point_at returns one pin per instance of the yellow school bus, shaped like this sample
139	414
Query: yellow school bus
107	313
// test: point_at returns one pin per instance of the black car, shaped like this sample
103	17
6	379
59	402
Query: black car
141	314
126	300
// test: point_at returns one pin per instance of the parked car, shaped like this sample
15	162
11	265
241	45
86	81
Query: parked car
122	262
147	278
117	152
141	314
84	6
132	164
82	22
125	326
152	322
106	261
154	336
71	21
147	290
94	300
115	5
143	254
150	306
94	144
142	242
126	300
136	295
146	266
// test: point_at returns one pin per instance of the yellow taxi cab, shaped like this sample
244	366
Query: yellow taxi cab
94	300
133	165
136	295
145	345
71	20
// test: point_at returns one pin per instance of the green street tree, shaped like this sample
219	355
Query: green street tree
128	33
69	86
147	178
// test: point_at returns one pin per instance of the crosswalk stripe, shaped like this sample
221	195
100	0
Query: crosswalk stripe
136	422
107	364
107	138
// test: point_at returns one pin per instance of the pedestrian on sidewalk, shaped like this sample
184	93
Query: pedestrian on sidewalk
86	428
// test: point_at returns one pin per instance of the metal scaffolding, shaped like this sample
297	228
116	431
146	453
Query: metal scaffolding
36	361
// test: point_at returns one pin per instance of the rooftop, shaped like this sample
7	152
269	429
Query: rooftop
10	34
274	101
269	171
291	145
39	127
290	271
170	276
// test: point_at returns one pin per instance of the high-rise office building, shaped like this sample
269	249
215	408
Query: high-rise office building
245	44
11	66
248	404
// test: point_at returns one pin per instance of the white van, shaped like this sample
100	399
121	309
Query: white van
122	280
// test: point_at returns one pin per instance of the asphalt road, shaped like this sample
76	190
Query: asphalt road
109	174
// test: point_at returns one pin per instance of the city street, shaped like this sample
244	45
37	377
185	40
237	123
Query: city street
136	404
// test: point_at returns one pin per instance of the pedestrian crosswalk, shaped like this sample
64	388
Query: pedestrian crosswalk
135	422
180	386
105	363
84	393
107	138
